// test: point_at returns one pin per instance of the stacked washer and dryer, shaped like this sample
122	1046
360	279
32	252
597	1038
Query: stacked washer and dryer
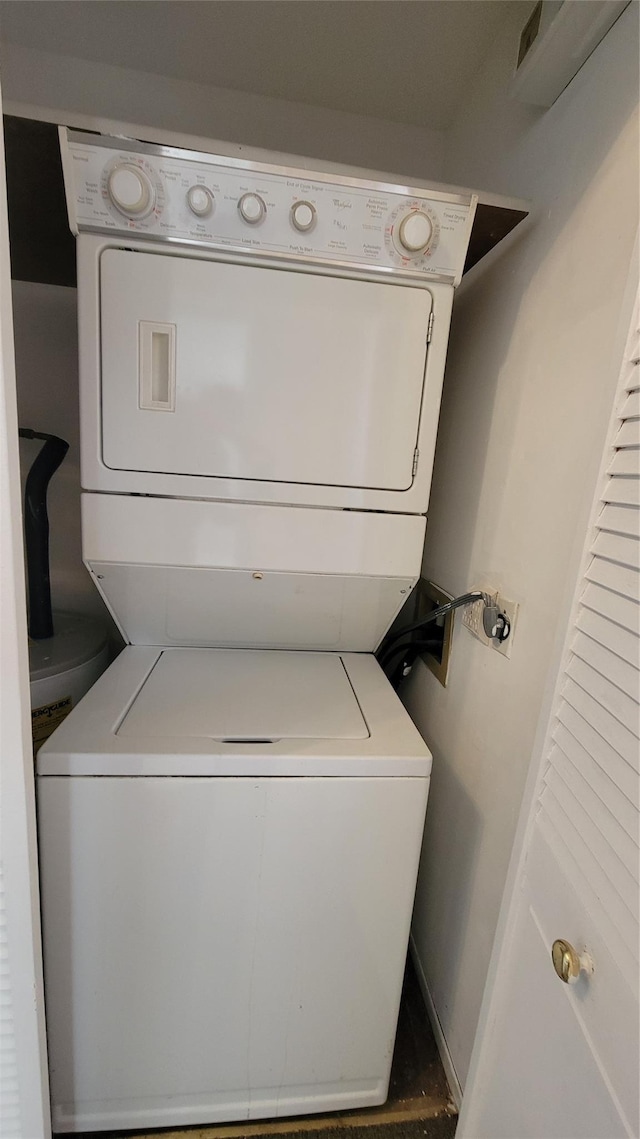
230	822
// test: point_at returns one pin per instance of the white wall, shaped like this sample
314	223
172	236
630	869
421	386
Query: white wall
535	350
35	80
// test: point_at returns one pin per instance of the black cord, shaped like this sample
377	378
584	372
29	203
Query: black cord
441	611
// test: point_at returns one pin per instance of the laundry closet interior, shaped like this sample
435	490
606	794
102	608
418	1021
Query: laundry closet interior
304	287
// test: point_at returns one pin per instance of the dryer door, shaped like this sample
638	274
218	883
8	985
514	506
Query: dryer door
219	369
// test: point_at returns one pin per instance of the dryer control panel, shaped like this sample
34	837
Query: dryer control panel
123	186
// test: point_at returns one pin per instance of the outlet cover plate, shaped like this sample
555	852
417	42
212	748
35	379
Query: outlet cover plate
472	620
511	609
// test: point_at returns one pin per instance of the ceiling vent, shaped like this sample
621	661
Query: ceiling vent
556	40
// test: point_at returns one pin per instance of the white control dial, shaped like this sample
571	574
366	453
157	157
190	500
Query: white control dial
303	216
415	231
130	190
200	201
252	208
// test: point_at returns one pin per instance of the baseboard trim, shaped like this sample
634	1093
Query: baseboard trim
443	1048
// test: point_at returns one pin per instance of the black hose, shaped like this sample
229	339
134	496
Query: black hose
36	530
406	655
385	650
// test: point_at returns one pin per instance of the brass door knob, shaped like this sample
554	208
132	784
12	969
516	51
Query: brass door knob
569	964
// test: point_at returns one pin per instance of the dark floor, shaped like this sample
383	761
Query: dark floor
419	1104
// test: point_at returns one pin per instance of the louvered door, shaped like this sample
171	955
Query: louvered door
560	1061
589	803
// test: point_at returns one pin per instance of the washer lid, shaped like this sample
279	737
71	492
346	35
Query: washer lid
340	714
238	696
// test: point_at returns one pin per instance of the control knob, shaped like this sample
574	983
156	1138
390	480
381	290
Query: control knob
415	231
200	201
252	208
130	190
303	216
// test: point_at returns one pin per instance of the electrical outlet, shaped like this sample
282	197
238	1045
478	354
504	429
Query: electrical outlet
511	610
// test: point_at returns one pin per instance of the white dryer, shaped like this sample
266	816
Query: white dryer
230	822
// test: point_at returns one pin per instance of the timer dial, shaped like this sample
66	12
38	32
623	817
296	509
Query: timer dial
130	190
303	216
414	233
252	208
200	201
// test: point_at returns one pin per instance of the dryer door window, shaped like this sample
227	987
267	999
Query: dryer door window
236	372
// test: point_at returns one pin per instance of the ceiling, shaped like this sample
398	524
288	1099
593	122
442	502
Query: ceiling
405	61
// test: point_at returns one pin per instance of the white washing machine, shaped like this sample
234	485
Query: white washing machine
229	846
230	821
